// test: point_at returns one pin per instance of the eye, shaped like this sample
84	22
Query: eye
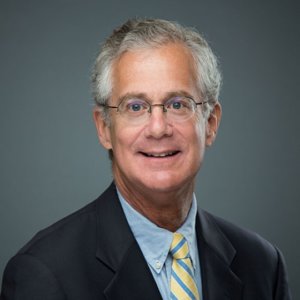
177	103
135	106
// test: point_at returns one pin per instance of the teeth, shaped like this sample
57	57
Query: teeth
161	154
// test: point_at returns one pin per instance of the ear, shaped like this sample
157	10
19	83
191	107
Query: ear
103	129
212	124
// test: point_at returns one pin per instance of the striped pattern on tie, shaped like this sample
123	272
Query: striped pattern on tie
183	286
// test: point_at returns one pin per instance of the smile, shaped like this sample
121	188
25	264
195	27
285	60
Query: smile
160	155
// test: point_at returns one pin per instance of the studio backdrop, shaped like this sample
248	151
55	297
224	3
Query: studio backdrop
50	158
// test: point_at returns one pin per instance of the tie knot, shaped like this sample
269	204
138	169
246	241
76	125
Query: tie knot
179	247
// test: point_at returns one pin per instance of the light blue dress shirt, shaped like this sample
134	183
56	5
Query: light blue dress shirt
155	244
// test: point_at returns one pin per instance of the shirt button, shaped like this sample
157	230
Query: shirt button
157	264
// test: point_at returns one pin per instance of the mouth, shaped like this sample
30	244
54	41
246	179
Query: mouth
160	155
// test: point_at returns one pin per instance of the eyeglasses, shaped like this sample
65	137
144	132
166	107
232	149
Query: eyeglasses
138	111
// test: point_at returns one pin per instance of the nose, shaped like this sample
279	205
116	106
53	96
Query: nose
158	125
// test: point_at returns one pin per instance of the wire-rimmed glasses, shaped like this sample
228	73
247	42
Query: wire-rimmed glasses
137	111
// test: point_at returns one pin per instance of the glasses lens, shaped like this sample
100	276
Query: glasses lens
133	109
180	108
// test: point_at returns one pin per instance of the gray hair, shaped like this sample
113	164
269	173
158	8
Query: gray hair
153	33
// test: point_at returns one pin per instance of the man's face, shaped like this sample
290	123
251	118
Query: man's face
158	155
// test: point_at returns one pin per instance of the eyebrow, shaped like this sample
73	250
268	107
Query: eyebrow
178	93
143	96
127	96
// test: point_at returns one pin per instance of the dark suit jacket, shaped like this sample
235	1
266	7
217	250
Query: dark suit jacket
92	255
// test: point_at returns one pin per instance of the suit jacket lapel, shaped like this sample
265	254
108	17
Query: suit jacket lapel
133	280
119	251
216	254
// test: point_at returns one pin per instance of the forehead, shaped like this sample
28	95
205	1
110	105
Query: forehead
154	71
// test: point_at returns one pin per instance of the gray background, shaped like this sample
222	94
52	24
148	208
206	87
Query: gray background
51	162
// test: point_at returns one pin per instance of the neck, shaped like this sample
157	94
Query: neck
167	210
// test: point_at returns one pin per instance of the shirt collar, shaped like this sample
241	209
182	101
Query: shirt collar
146	232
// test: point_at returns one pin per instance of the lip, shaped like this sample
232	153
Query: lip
160	159
160	154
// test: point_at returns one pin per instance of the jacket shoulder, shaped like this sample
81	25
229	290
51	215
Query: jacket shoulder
69	233
257	263
255	259
61	230
244	240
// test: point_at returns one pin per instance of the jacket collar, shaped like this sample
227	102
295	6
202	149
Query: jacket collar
113	233
216	255
119	251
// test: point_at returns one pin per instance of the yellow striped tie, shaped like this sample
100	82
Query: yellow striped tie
183	286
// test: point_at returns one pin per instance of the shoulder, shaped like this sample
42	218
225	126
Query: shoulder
252	251
257	263
62	232
240	237
68	245
76	233
236	231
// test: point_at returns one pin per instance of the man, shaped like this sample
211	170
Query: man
156	87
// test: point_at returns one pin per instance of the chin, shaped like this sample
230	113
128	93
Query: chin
162	183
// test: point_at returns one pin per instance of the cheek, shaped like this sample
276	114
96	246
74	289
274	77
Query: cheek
197	140
197	132
123	139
